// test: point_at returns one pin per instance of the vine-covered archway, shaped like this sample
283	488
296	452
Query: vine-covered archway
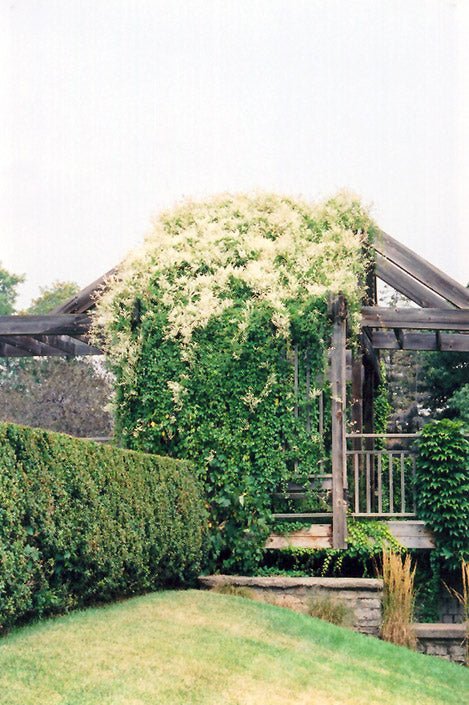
218	330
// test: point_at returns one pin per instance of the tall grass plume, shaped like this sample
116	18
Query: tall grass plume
398	602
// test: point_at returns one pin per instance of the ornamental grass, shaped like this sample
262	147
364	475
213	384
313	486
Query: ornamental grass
398	603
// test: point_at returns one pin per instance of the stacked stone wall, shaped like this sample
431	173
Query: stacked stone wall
361	596
447	641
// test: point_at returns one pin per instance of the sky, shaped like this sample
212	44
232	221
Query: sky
112	110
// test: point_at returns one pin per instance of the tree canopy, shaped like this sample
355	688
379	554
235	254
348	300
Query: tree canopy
8	291
67	395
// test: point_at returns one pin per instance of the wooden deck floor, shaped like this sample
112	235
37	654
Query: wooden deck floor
411	534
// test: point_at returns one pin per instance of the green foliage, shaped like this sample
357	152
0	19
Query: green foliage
382	407
8	293
82	522
442	484
365	543
52	296
444	373
201	327
459	405
428	587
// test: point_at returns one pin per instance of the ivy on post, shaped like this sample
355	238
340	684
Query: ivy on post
338	391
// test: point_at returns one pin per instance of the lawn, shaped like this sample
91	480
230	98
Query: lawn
178	648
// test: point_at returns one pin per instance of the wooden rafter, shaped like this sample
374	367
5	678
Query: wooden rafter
386	340
420	270
30	345
8	350
84	300
407	285
68	345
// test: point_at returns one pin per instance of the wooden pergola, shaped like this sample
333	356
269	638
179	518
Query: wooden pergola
62	332
438	319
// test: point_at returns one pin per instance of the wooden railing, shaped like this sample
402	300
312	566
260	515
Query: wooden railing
381	480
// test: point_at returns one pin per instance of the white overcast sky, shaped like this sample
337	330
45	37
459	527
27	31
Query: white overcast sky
115	109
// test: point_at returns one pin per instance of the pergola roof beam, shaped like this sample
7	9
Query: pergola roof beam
69	345
386	340
407	285
7	350
51	324
32	346
84	299
415	318
425	272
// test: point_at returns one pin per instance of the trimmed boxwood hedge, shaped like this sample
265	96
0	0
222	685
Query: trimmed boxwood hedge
82	522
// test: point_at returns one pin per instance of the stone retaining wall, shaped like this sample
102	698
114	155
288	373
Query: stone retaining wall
445	640
362	596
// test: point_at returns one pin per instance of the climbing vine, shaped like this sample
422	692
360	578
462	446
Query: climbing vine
213	327
382	406
442	484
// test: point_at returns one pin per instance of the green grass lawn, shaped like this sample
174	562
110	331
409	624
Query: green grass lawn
176	648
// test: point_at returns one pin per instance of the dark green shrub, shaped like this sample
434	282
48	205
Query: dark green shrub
442	484
82	522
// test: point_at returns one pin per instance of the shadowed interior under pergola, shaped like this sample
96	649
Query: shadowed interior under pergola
365	481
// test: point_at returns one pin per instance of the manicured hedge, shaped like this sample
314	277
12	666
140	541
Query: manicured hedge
82	522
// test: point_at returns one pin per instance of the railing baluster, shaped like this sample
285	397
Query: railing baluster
295	368
380	489
295	379
368	483
357	481
321	424
380	484
402	483
391	487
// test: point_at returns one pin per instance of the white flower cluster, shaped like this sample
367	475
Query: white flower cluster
280	249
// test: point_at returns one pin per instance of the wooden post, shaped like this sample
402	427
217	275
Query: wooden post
338	390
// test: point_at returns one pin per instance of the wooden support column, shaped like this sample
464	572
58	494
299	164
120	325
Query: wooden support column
338	391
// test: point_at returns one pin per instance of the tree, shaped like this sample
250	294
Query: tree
8	293
423	384
459	405
71	396
68	395
444	373
52	296
405	380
